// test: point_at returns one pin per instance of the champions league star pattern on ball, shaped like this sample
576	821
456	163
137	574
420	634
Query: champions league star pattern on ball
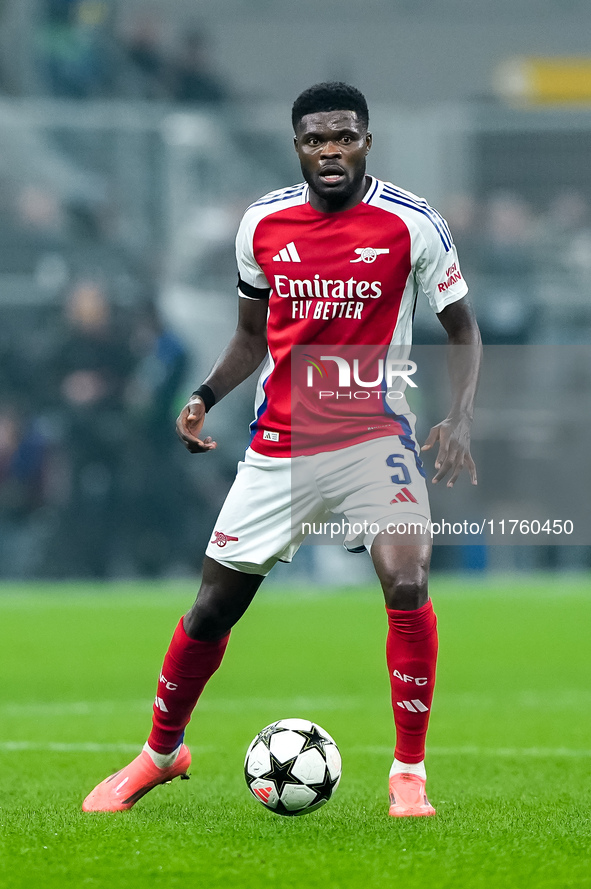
328	284
292	767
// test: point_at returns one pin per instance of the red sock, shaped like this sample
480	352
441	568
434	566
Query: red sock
188	665
411	655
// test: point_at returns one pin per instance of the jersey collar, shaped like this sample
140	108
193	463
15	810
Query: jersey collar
366	199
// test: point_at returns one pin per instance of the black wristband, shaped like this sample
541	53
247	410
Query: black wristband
206	395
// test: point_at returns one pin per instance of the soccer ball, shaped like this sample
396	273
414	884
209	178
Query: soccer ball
292	767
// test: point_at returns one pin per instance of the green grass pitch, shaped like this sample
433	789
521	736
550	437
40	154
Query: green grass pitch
509	755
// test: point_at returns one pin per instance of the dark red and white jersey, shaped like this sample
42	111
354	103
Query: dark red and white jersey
344	279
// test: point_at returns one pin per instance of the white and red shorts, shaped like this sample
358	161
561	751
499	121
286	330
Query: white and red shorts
276	502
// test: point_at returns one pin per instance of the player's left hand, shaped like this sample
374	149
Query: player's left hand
454	450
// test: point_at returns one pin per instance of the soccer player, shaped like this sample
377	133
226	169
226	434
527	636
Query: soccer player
336	259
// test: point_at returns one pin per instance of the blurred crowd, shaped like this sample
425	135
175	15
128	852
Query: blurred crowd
90	483
528	267
84	50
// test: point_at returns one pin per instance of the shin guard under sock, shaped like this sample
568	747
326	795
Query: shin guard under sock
411	655
188	665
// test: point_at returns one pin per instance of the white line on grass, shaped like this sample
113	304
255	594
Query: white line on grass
534	752
288	706
38	709
566	699
59	747
91	747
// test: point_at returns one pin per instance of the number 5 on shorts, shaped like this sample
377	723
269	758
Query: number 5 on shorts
402	476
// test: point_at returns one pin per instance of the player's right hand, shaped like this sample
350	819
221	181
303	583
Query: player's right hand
189	424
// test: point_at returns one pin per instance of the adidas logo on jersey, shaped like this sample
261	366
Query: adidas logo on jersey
287	254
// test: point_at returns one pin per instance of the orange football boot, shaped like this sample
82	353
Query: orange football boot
408	797
123	789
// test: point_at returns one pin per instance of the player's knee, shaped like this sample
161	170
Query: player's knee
220	603
406	593
207	620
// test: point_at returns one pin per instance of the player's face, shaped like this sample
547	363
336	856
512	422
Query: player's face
332	147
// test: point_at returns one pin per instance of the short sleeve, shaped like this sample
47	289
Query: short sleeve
250	273
438	267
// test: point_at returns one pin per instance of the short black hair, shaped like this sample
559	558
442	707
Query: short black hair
333	96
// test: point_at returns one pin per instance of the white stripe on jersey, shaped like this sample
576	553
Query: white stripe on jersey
407	199
281	194
260	396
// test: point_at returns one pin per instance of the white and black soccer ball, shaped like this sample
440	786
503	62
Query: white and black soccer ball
292	767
